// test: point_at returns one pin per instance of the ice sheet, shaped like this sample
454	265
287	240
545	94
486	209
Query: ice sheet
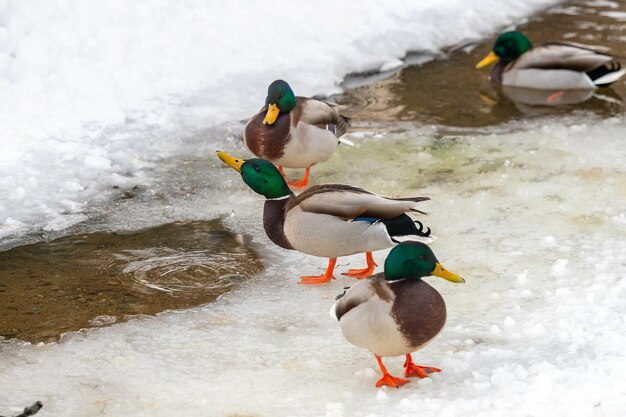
535	220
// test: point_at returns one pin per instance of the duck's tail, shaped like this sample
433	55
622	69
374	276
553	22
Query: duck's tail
606	74
404	228
342	126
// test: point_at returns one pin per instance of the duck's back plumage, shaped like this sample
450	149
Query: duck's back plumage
335	220
349	202
557	65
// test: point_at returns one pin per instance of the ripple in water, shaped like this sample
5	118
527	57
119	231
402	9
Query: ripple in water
101	278
176	272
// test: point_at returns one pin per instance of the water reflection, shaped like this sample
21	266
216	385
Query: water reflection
539	102
449	91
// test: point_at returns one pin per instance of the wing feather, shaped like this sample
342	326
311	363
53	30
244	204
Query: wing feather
361	293
561	56
319	113
349	202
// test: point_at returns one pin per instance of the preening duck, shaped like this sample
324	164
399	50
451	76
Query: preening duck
294	132
549	66
395	312
329	220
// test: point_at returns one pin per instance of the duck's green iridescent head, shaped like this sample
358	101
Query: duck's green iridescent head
508	47
280	99
414	260
260	175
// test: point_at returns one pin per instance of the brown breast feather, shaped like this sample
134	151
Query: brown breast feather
419	310
268	142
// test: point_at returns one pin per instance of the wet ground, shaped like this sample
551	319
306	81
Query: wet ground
97	279
450	91
88	280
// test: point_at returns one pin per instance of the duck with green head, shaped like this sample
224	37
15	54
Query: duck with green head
329	220
549	66
294	132
396	313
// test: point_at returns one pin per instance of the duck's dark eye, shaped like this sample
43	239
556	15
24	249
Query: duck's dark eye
257	169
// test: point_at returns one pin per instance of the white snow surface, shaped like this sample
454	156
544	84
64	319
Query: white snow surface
532	219
94	92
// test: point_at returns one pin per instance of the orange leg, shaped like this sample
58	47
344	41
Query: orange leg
555	97
364	272
296	184
327	276
303	182
387	379
421	371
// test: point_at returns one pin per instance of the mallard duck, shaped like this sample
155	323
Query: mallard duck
396	313
550	66
329	220
294	132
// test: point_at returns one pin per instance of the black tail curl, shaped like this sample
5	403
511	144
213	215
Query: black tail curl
403	225
420	230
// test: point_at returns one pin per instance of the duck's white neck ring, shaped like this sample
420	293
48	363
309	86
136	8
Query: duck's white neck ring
279	198
396	280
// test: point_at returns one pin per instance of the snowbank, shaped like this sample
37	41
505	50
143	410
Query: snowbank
93	92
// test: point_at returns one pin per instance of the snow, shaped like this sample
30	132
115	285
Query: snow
99	95
94	93
537	330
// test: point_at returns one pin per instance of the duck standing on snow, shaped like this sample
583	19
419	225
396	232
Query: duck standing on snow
395	312
329	220
294	132
549	66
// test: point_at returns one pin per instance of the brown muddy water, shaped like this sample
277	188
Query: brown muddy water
80	281
96	279
449	91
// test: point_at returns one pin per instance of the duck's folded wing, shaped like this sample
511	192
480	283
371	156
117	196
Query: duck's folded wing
350	202
562	56
321	114
359	294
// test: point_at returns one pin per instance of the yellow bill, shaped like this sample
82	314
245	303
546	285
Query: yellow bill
231	161
442	272
272	114
488	60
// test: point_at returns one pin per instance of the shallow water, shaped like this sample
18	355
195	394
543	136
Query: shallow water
450	91
96	279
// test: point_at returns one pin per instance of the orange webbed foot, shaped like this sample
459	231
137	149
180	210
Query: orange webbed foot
360	273
319	279
413	369
387	379
421	371
363	272
391	381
